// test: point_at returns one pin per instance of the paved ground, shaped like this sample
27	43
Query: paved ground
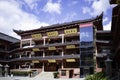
27	78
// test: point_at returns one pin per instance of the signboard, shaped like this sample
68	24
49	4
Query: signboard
51	48
36	36
86	25
35	61
70	46
52	61
70	60
70	31
52	34
36	49
26	42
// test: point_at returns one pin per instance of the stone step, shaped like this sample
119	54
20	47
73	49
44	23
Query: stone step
44	75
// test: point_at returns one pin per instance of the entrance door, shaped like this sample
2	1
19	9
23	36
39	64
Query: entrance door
51	67
86	71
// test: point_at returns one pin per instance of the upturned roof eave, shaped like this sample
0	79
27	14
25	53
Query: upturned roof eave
98	18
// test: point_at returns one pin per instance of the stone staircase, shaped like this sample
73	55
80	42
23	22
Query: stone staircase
44	75
40	76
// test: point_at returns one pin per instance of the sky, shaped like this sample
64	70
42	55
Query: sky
86	34
32	14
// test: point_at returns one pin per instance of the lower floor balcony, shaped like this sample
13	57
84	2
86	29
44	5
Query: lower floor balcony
57	57
36	67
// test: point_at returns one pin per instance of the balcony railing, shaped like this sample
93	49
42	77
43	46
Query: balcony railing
53	44
86	46
4	60
87	63
101	55
3	51
87	51
57	57
46	45
72	56
72	42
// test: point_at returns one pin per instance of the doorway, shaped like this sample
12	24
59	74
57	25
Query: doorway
84	71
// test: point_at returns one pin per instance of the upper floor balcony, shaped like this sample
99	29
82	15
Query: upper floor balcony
52	38
4	60
42	54
103	52
86	44
101	55
85	63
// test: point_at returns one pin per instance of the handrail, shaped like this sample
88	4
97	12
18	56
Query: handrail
47	57
114	78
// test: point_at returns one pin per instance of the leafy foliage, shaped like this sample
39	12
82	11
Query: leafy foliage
56	74
20	73
97	76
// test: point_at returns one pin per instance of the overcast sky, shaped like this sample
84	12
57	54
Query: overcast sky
32	14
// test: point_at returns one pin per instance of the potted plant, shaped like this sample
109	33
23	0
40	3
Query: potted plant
56	74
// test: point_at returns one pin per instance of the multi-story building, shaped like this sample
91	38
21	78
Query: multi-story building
108	45
74	49
68	48
7	43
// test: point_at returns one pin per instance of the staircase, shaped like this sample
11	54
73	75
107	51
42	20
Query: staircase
114	78
44	75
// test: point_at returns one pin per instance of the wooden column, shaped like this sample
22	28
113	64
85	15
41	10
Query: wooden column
21	44
44	41
62	38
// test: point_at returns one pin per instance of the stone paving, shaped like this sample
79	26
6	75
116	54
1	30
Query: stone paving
27	78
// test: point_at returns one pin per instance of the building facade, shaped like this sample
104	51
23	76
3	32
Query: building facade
108	45
7	43
68	48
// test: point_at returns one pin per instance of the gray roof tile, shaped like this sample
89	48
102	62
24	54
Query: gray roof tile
8	38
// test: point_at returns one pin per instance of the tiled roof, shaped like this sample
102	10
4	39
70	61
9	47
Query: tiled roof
8	38
95	20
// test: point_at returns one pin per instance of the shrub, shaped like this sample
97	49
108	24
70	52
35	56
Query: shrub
56	74
20	73
97	76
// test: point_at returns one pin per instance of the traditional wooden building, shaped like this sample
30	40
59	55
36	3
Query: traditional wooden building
115	30
7	43
108	43
74	49
68	48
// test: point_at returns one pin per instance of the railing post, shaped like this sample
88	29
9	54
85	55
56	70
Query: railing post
119	74
62	52
108	68
62	65
43	54
6	70
1	70
44	41
21	44
43	67
62	38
